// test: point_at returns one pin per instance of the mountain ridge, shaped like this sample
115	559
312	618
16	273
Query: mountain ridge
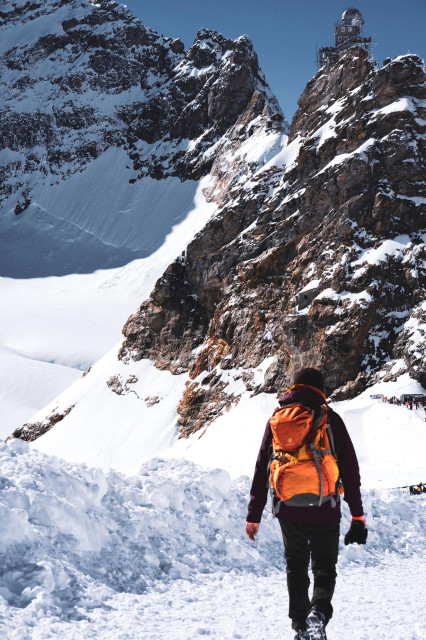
81	80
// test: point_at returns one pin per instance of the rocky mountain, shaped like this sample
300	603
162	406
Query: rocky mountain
93	102
319	261
316	257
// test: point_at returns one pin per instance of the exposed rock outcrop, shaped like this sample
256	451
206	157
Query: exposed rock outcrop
34	430
147	87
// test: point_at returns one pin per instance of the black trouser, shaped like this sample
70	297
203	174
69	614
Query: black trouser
303	541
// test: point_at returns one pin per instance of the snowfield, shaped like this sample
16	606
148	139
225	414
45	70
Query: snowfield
54	328
88	554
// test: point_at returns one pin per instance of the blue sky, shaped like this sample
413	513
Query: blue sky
285	33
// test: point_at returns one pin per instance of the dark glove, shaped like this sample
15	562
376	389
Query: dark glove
357	533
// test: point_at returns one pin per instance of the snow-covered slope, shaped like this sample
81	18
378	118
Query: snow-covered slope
93	220
132	417
53	329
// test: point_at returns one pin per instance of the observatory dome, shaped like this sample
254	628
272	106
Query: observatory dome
353	16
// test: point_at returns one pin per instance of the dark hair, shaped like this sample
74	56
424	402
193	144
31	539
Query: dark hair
311	377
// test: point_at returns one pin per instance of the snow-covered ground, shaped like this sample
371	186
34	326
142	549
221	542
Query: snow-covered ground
163	554
89	553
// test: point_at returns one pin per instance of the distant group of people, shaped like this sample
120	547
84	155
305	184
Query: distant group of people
411	402
416	490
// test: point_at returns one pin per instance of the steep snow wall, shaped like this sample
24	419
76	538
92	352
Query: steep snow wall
95	219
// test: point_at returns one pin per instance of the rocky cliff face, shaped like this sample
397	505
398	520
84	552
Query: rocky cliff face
318	259
79	79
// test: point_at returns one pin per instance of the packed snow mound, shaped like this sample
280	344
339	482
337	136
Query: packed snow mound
72	537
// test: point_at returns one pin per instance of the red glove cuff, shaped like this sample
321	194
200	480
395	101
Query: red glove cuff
362	518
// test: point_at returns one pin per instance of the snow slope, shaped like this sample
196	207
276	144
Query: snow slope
52	329
86	554
94	219
132	417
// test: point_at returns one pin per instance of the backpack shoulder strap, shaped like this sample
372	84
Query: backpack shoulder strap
322	413
331	439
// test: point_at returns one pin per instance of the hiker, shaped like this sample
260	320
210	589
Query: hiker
310	532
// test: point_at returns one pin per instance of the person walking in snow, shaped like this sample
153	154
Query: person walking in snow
310	532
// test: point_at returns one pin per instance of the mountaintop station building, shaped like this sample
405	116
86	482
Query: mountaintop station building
347	33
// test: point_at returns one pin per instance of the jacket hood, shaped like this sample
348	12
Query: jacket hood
304	394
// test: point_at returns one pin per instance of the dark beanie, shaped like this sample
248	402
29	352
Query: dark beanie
312	377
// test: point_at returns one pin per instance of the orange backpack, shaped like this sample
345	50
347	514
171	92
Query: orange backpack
303	470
